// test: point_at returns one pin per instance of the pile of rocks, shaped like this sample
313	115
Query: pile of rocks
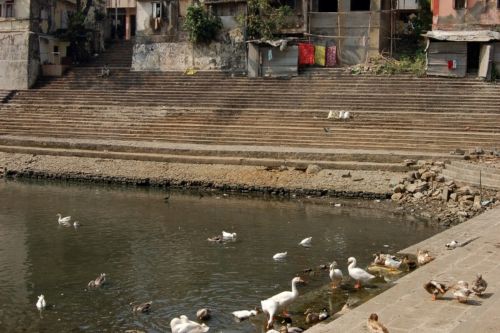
425	189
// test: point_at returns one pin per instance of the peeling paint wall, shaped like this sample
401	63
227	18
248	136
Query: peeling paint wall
478	14
180	56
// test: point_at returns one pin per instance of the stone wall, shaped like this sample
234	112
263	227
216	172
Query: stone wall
14	63
183	55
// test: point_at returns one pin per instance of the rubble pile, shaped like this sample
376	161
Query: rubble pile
425	189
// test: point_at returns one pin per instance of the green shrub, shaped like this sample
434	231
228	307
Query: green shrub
263	20
201	26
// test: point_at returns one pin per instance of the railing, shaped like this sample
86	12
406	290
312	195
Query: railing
121	3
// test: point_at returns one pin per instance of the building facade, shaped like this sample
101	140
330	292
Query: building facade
465	38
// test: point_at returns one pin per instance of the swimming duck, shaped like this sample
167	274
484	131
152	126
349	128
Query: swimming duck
228	235
392	262
336	275
184	325
245	314
285	298
306	242
143	307
63	220
40	304
374	325
311	317
280	255
435	288
203	314
379	259
461	291
98	282
479	285
358	274
269	307
423	257
216	239
76	224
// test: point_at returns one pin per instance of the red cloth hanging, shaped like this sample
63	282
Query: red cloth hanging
331	56
306	54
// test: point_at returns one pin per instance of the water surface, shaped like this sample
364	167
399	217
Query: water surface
156	250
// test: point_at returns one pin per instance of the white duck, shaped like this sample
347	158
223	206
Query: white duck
392	262
461	291
269	307
285	298
40	304
184	325
244	314
280	255
63	220
306	242
358	274
228	235
336	275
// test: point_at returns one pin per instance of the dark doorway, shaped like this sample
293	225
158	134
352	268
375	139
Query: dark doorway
473	50
132	25
328	6
360	5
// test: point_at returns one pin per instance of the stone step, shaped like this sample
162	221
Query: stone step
254	152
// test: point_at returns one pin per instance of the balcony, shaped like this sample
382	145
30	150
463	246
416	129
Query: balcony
121	4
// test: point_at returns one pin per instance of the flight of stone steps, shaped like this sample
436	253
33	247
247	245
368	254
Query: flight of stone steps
118	54
216	117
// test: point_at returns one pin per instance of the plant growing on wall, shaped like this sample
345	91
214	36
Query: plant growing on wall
263	20
202	26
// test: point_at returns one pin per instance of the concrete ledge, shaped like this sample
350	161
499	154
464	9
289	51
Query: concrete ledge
407	307
473	174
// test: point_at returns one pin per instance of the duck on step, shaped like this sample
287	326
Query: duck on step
281	301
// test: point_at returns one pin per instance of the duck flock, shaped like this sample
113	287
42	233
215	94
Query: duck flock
277	305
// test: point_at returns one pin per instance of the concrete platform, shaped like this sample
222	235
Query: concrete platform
407	307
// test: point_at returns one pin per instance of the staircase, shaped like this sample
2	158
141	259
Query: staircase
118	54
214	117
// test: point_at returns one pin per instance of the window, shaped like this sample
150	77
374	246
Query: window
459	4
360	5
328	6
156	10
7	8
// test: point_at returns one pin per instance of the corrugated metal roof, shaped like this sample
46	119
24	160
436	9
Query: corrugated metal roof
464	36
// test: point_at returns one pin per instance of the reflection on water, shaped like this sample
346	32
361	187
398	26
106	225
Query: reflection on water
156	250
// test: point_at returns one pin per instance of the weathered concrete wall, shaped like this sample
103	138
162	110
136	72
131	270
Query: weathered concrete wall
182	55
14	63
22	9
479	14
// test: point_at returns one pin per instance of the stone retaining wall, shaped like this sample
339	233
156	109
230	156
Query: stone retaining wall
473	174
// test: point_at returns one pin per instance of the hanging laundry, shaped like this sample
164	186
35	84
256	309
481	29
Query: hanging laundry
319	55
306	54
270	54
331	56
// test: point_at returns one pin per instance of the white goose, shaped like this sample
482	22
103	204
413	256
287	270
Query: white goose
269	307
40	304
358	274
228	235
306	242
336	275
184	325
63	220
280	255
285	298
